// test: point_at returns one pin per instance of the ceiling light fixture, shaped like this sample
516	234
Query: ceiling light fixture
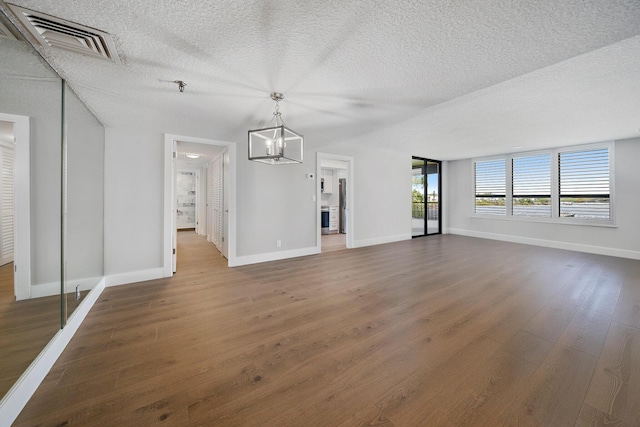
277	144
192	155
181	85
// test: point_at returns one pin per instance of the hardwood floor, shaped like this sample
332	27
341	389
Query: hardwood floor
333	242
25	328
438	331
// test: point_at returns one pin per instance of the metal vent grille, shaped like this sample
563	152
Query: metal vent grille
62	34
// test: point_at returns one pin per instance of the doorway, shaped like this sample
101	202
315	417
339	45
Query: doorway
6	193
334	202
16	203
198	156
426	209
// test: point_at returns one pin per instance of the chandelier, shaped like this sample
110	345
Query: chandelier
277	144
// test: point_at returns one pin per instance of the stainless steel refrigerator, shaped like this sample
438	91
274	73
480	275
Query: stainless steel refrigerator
342	214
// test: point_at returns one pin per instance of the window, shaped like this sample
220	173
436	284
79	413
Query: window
531	184
490	187
584	184
566	185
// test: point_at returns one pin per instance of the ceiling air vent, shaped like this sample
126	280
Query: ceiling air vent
62	34
4	31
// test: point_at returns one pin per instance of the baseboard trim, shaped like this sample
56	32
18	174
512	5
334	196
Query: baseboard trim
273	256
17	397
53	288
135	276
381	240
599	250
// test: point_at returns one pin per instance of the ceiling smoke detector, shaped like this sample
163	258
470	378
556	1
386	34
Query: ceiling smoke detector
67	35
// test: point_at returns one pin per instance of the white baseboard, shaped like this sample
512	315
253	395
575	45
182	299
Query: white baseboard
53	288
135	276
273	256
17	397
599	250
381	240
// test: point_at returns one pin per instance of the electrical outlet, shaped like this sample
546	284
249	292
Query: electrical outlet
278	243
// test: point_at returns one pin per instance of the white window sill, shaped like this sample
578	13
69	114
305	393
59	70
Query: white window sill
560	221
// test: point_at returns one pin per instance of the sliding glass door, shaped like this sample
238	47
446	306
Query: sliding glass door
425	197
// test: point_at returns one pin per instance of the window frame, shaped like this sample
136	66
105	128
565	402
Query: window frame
523	155
555	187
507	196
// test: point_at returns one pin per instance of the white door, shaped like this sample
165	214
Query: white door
217	202
225	204
174	207
6	203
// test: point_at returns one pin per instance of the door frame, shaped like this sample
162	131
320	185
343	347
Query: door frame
21	205
169	226
350	226
425	166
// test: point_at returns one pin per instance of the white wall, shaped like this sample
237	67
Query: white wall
39	96
622	240
273	202
84	246
382	199
134	166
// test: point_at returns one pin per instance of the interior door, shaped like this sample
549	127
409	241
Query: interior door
225	204
174	209
217	202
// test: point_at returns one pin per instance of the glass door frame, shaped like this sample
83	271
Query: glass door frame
425	163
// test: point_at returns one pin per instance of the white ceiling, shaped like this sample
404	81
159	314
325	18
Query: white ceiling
441	79
206	151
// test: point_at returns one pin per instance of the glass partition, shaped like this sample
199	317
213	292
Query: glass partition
51	202
84	184
30	309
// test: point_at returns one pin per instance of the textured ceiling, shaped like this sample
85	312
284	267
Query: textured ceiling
442	79
207	153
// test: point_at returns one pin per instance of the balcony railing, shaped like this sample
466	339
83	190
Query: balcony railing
417	210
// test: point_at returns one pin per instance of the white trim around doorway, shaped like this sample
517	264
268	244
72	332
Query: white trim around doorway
350	197
169	142
22	205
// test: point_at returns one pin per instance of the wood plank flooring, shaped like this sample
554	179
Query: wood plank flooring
333	242
26	327
438	331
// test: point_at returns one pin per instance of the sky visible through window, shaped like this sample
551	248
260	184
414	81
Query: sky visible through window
418	185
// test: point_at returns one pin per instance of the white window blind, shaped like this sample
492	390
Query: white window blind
531	185
584	184
490	183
